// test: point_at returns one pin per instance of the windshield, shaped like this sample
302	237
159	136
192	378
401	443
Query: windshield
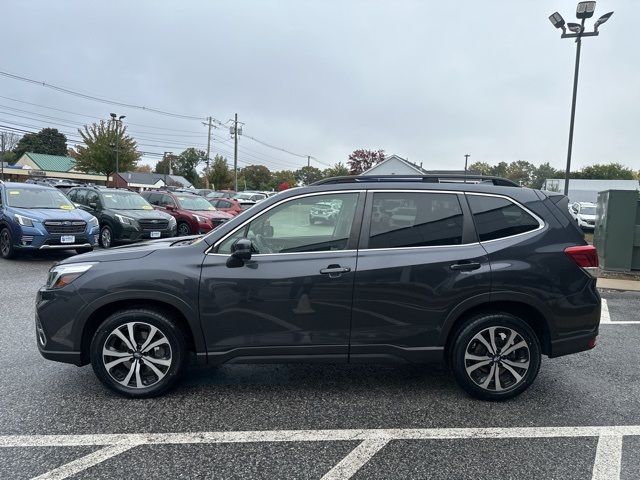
37	198
588	211
125	201
194	202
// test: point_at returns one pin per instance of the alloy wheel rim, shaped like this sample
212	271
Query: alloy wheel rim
106	237
4	242
183	230
497	359
137	355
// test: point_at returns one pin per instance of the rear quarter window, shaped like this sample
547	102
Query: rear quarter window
497	217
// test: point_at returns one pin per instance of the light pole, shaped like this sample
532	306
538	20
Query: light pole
117	121
583	11
466	161
167	155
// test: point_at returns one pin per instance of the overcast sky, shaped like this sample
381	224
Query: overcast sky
426	80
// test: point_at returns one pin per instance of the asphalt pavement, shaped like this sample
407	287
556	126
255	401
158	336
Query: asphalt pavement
315	421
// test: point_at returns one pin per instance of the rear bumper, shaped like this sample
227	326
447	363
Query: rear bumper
573	344
64	357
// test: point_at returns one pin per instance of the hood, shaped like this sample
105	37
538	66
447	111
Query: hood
42	214
143	214
212	214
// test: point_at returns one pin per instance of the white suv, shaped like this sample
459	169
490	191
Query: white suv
584	214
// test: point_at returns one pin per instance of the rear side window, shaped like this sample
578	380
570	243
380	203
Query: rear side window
497	217
407	219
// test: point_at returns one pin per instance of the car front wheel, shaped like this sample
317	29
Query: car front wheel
138	353
106	237
495	356
183	229
6	243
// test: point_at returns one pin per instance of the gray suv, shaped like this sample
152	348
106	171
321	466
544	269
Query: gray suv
481	274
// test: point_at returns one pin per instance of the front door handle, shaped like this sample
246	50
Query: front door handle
465	266
335	271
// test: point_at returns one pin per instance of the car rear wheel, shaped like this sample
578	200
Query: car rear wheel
183	229
495	356
138	353
6	243
106	236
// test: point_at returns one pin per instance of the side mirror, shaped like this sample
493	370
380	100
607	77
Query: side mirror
240	253
169	207
93	205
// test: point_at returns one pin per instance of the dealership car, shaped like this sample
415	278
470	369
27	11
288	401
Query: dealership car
193	213
124	216
228	205
485	276
323	212
585	214
39	217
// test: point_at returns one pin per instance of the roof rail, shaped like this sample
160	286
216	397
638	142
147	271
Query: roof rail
434	178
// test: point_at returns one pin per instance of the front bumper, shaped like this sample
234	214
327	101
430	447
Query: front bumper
33	238
131	234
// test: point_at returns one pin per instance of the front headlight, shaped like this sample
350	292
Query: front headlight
172	222
200	219
24	221
93	222
125	220
62	275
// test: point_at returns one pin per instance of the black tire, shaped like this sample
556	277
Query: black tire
80	251
6	243
467	342
106	236
142	318
183	229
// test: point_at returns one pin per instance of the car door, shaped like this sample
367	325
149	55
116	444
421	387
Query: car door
294	296
419	258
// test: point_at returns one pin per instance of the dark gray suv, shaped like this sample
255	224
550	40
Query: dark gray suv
486	276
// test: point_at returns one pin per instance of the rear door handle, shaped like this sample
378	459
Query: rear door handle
465	266
335	270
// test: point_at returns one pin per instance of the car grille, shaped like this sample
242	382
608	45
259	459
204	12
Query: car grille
153	225
64	227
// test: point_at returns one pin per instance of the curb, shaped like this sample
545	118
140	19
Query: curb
618	284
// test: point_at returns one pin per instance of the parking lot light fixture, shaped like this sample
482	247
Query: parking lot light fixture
577	31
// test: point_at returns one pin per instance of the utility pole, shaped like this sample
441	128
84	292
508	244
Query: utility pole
235	151
206	172
308	160
466	161
168	170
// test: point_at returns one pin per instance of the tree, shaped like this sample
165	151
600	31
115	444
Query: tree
283	176
167	166
98	154
220	176
338	170
8	141
308	175
521	172
362	160
184	164
256	177
143	168
543	172
47	140
500	170
483	168
609	171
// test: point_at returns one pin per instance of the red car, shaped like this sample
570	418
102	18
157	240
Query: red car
193	213
229	205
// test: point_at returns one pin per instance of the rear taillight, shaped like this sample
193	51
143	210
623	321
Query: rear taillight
585	256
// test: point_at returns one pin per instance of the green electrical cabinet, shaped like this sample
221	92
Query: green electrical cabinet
617	232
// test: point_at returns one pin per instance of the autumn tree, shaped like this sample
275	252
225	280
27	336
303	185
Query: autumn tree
8	141
362	160
144	168
47	140
98	154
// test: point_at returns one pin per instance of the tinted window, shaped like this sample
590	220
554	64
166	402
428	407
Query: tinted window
167	200
497	217
298	226
72	195
81	196
404	219
92	197
153	198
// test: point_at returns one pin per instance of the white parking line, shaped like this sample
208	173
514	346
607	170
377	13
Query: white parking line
605	318
606	464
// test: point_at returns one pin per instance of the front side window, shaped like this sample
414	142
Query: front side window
497	217
408	219
301	225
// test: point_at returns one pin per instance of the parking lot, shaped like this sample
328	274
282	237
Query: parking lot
581	419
